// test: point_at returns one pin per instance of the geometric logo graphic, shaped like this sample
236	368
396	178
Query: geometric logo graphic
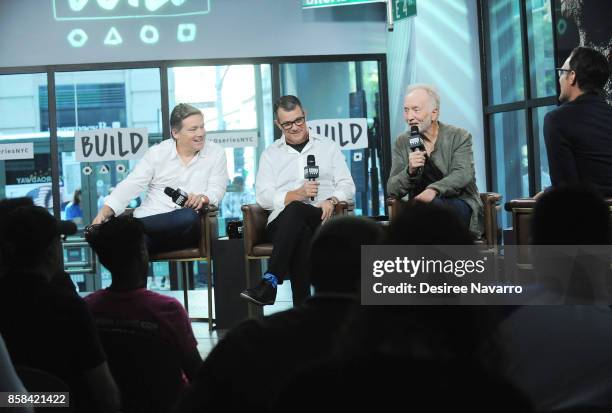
108	4
87	170
113	38
153	5
149	34
104	169
77	37
77	5
186	32
120	168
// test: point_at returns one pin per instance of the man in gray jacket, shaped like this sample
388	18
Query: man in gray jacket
444	172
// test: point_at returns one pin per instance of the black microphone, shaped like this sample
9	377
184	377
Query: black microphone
178	196
311	171
416	142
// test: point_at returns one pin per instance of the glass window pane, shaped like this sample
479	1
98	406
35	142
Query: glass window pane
237	97
541	51
511	175
96	100
21	124
345	90
538	130
505	52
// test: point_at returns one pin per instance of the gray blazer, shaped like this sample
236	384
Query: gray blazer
453	156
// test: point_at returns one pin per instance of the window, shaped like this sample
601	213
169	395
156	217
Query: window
519	67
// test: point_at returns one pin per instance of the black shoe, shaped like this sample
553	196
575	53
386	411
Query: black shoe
262	294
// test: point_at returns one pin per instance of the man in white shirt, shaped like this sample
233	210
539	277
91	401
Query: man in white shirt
185	162
298	206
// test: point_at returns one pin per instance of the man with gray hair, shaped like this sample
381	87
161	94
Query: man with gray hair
441	171
187	162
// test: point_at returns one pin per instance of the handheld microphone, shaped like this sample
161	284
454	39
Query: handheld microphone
311	171
178	196
416	142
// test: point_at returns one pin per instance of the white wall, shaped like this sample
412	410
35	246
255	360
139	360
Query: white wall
440	47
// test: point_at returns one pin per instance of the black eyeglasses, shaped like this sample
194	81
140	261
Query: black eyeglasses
298	122
560	71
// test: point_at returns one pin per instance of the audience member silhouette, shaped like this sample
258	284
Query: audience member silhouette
559	355
386	383
439	350
47	326
571	215
9	381
273	348
120	246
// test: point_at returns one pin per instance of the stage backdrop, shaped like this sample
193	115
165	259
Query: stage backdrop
584	23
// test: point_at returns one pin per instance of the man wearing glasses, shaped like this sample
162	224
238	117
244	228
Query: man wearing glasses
578	134
298	206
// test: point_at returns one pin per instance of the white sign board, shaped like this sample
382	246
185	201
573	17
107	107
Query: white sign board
231	139
17	151
349	133
114	144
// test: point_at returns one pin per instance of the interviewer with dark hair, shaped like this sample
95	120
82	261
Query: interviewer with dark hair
578	134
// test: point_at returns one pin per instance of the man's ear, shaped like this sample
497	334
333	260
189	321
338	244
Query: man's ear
434	114
575	82
277	124
172	133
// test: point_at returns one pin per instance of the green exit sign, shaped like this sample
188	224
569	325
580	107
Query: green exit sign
311	4
403	9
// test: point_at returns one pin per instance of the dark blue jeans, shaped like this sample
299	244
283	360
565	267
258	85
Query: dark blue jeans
463	210
173	230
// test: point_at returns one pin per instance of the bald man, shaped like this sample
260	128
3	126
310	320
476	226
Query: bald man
442	173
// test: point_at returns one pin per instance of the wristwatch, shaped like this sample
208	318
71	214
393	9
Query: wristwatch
333	200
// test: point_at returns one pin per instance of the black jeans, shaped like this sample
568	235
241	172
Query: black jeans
171	231
290	233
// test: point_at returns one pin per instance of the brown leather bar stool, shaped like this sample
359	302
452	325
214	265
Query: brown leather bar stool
202	252
255	219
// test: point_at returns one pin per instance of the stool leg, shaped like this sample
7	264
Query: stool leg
210	293
184	274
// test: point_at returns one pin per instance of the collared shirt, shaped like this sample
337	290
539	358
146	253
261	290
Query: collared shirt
281	169
162	167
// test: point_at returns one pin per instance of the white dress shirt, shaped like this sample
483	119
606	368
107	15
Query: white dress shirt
281	169
161	167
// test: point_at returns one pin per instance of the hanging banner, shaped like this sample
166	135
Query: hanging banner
349	133
16	151
234	139
114	144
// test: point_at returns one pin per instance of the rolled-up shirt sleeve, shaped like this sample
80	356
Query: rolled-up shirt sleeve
344	187
217	182
135	183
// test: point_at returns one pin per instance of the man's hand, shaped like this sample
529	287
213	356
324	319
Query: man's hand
103	215
416	160
328	210
426	196
310	189
196	201
303	193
